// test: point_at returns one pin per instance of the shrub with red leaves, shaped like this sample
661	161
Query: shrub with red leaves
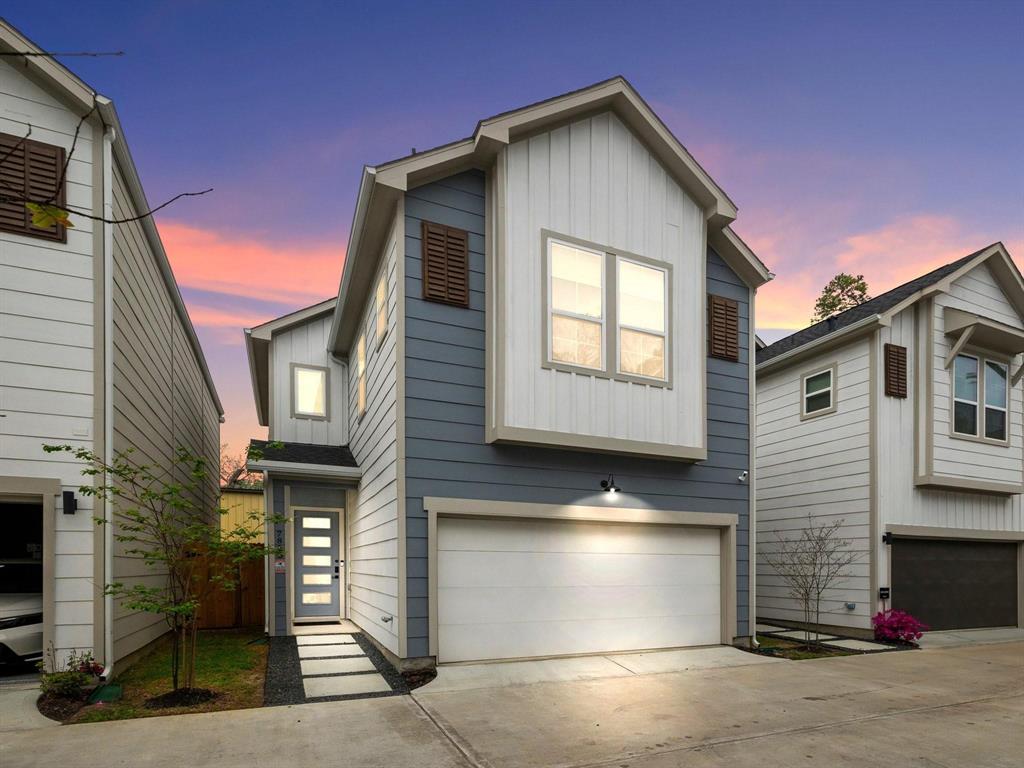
897	626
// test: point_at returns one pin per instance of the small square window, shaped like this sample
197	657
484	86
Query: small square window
309	392
818	397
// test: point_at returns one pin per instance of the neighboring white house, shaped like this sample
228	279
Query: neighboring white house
903	418
96	350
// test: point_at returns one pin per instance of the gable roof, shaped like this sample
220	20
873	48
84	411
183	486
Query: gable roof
381	186
72	90
875	311
257	348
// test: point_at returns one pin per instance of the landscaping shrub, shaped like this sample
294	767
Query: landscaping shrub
897	626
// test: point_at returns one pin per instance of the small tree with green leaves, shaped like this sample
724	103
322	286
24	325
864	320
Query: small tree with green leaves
841	293
162	519
810	564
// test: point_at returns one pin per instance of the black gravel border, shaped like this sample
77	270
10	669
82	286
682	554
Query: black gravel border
283	686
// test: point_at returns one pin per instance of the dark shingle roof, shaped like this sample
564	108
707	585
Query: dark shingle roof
875	306
306	453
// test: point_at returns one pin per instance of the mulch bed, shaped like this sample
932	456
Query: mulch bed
59	708
183	697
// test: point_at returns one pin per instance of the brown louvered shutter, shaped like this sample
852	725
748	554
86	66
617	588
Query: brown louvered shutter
29	170
895	370
445	264
723	328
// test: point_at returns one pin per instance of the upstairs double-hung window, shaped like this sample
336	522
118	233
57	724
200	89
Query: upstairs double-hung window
980	398
608	313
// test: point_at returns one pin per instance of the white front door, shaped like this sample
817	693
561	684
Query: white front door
521	588
318	564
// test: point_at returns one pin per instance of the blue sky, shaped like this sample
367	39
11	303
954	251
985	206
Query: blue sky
882	138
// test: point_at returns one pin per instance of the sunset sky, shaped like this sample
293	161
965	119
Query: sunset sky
875	138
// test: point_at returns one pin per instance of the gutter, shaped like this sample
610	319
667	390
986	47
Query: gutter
108	396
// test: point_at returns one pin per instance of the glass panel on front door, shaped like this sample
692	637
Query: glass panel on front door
319	565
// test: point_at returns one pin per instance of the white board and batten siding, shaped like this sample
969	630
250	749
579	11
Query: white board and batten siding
161	401
819	467
46	348
979	293
594	180
306	344
372	566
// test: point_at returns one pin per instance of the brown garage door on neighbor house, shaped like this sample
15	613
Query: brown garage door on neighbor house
951	584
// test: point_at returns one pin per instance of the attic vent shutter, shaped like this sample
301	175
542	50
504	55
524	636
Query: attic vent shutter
895	370
29	170
723	328
445	264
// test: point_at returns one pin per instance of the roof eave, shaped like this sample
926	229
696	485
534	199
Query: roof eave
739	256
823	344
260	393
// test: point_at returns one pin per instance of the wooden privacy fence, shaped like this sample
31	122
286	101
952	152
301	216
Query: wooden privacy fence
239	607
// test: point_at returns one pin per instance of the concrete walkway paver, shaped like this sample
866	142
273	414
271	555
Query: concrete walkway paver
965	637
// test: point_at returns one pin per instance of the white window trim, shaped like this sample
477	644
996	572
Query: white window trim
610	312
619	325
981	405
295	412
832	389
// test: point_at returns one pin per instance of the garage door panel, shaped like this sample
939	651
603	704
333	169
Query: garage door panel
558	638
521	588
565	569
553	536
486	605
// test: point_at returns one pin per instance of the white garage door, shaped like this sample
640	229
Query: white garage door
520	588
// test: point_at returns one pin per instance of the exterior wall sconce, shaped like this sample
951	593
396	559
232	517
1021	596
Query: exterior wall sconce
609	486
70	502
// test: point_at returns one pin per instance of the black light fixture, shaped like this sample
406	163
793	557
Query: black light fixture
609	486
70	502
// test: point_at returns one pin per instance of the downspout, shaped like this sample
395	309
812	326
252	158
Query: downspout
108	396
752	459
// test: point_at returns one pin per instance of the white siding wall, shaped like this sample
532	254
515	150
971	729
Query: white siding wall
307	344
161	401
595	180
976	292
818	467
46	349
372	566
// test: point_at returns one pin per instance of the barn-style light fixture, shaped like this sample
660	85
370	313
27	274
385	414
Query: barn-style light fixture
609	486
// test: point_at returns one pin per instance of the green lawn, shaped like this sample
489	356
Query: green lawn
788	649
229	662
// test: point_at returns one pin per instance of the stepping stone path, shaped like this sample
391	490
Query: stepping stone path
832	641
335	665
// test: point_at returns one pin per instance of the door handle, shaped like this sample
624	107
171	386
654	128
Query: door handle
337	571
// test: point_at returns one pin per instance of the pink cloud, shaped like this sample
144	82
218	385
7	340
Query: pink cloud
299	273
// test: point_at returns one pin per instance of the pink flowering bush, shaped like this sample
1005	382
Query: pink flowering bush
897	626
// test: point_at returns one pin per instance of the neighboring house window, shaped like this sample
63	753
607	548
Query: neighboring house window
819	392
361	375
31	171
642	319
576	319
723	328
382	308
980	387
445	264
309	392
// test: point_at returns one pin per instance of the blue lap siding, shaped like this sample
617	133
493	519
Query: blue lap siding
445	450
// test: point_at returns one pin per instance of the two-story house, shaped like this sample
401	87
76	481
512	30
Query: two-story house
523	427
902	418
96	351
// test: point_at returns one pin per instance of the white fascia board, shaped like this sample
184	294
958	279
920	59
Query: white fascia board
304	470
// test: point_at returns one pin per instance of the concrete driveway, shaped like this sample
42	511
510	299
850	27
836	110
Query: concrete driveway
945	707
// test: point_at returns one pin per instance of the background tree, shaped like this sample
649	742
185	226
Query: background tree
810	564
163	521
233	471
842	292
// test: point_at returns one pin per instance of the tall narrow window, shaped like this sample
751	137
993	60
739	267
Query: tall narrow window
819	396
309	392
361	375
642	320
965	395
382	308
576	317
995	400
